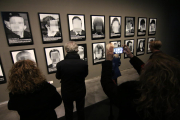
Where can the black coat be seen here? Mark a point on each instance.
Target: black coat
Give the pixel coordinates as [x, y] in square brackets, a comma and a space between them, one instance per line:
[38, 105]
[72, 72]
[123, 95]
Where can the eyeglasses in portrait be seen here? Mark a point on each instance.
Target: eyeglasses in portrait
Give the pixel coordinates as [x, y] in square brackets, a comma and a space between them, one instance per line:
[17, 28]
[53, 55]
[148, 44]
[50, 27]
[97, 27]
[82, 51]
[129, 26]
[2, 75]
[152, 26]
[130, 44]
[25, 54]
[114, 26]
[142, 23]
[140, 50]
[98, 50]
[77, 30]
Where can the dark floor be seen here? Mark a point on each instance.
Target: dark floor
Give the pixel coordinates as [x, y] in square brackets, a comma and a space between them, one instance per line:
[98, 111]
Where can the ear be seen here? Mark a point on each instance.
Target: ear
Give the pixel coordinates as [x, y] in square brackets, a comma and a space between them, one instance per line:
[25, 27]
[7, 24]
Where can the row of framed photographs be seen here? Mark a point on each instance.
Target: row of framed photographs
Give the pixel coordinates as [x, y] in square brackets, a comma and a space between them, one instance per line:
[18, 30]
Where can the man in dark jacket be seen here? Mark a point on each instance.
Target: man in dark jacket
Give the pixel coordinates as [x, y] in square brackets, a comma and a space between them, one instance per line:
[72, 72]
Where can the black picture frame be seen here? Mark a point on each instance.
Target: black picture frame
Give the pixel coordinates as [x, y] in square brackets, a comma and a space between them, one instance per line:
[82, 51]
[131, 46]
[152, 26]
[2, 74]
[129, 26]
[23, 54]
[53, 54]
[98, 52]
[140, 46]
[100, 21]
[17, 28]
[114, 27]
[50, 26]
[116, 44]
[142, 26]
[77, 27]
[149, 40]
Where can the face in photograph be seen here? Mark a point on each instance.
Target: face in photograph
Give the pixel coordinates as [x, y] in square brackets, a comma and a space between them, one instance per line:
[149, 47]
[81, 52]
[77, 24]
[98, 26]
[130, 45]
[99, 51]
[129, 25]
[153, 25]
[115, 25]
[142, 25]
[51, 25]
[55, 57]
[140, 46]
[24, 55]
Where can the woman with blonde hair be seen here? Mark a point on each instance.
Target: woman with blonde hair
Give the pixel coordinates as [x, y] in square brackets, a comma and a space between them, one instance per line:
[30, 94]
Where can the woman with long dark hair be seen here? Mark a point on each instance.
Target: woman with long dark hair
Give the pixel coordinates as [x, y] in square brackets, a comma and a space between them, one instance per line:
[30, 94]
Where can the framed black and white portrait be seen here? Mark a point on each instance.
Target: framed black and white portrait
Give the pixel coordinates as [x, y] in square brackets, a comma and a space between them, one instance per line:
[130, 44]
[17, 28]
[82, 51]
[50, 26]
[114, 26]
[25, 54]
[140, 50]
[116, 44]
[142, 23]
[77, 29]
[148, 43]
[53, 55]
[98, 51]
[129, 26]
[152, 26]
[2, 74]
[97, 27]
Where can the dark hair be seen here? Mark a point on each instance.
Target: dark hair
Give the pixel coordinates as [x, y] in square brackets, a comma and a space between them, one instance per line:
[98, 46]
[53, 50]
[98, 21]
[142, 22]
[21, 53]
[115, 19]
[25, 77]
[128, 43]
[152, 22]
[46, 21]
[140, 43]
[76, 17]
[160, 88]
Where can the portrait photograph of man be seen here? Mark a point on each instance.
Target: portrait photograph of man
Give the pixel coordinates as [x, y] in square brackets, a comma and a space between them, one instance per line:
[17, 28]
[77, 30]
[140, 46]
[152, 26]
[129, 26]
[148, 43]
[142, 26]
[130, 44]
[50, 27]
[98, 50]
[82, 51]
[53, 56]
[23, 55]
[97, 27]
[2, 76]
[115, 26]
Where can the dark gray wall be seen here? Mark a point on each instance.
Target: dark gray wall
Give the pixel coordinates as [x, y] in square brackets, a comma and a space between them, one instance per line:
[135, 8]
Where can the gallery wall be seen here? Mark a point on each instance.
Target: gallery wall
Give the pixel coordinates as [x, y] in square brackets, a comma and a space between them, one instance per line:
[138, 8]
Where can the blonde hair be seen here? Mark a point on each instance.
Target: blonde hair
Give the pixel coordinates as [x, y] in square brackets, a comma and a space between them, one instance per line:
[156, 44]
[71, 47]
[111, 45]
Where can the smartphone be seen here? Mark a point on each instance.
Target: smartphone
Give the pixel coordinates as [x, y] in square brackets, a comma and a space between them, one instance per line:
[118, 50]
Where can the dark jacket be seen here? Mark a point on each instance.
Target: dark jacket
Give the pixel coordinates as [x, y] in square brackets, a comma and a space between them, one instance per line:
[38, 105]
[115, 67]
[123, 95]
[72, 72]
